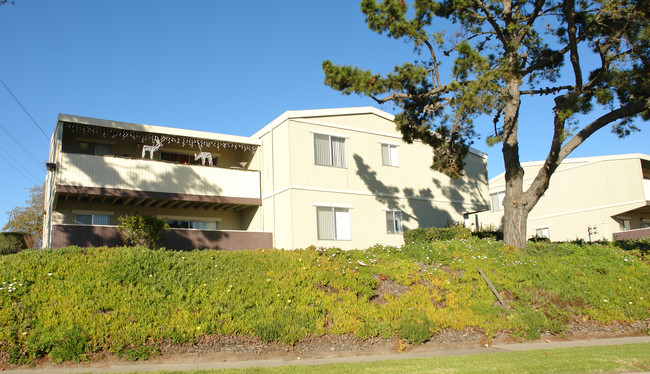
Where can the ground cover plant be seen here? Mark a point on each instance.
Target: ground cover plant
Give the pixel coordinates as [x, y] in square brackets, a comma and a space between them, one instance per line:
[68, 303]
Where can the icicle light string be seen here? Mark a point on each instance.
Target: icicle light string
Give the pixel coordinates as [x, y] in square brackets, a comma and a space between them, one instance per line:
[150, 138]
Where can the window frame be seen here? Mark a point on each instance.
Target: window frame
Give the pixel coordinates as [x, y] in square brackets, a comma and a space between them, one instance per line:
[391, 157]
[539, 232]
[394, 222]
[500, 195]
[335, 224]
[331, 150]
[94, 217]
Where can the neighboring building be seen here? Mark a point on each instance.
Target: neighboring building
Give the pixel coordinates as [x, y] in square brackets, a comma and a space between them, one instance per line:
[590, 198]
[334, 177]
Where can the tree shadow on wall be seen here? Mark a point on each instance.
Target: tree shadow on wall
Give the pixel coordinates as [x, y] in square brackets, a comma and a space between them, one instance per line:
[425, 214]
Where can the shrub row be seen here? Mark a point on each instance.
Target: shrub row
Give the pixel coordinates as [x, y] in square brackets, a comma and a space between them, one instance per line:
[12, 242]
[432, 234]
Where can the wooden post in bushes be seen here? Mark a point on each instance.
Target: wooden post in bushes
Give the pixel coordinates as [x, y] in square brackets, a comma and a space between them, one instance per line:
[494, 290]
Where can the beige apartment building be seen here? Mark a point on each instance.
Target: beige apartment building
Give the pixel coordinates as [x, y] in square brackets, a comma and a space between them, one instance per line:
[590, 198]
[333, 177]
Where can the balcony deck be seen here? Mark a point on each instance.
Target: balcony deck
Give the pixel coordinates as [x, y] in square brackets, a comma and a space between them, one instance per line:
[104, 175]
[632, 234]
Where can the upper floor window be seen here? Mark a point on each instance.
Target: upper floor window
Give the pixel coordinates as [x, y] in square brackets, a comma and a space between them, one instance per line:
[389, 154]
[497, 200]
[92, 219]
[95, 148]
[329, 150]
[394, 222]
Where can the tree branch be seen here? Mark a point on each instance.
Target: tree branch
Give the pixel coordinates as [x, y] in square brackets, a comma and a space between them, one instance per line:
[434, 61]
[493, 22]
[622, 112]
[569, 10]
[547, 90]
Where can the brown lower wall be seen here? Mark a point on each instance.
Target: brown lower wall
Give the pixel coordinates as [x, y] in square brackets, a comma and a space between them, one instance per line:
[632, 234]
[184, 240]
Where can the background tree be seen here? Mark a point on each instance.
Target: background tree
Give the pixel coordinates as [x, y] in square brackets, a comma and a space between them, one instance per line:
[28, 218]
[499, 51]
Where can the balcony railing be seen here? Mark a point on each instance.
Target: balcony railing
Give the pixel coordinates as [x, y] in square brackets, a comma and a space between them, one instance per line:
[150, 175]
[177, 239]
[632, 234]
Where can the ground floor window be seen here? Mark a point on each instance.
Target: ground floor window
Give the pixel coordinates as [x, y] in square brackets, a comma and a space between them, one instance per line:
[92, 219]
[542, 232]
[333, 223]
[623, 223]
[394, 222]
[196, 225]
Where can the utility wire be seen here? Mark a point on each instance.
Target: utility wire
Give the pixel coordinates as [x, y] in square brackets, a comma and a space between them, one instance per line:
[16, 162]
[20, 171]
[21, 105]
[21, 146]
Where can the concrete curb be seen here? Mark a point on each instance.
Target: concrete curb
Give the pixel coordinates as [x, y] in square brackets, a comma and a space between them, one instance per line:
[195, 364]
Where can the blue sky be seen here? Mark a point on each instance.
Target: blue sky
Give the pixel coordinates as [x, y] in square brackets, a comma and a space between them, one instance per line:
[228, 67]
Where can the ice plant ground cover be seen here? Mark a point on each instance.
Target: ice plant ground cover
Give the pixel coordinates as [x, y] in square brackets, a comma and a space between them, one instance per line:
[66, 303]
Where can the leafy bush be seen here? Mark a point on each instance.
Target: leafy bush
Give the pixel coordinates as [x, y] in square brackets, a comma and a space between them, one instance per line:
[143, 230]
[11, 242]
[72, 346]
[432, 234]
[415, 328]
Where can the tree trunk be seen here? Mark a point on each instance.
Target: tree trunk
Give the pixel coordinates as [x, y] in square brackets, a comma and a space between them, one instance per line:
[515, 221]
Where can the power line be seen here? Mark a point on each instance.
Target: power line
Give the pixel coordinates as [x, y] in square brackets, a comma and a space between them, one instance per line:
[18, 163]
[21, 146]
[18, 170]
[21, 105]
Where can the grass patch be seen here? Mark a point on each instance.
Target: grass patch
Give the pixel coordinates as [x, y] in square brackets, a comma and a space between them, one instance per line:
[124, 299]
[604, 359]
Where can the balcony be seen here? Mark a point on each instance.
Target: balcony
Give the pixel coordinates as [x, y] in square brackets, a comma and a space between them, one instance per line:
[103, 175]
[177, 239]
[632, 234]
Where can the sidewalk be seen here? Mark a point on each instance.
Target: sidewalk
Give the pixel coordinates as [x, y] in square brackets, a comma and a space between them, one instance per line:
[196, 364]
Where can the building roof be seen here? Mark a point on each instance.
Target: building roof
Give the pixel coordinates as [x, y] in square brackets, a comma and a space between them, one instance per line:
[159, 129]
[571, 163]
[334, 112]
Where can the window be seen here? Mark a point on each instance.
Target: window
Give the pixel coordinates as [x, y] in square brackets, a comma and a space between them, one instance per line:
[329, 150]
[542, 233]
[623, 223]
[497, 200]
[92, 219]
[95, 148]
[394, 222]
[333, 223]
[389, 154]
[196, 225]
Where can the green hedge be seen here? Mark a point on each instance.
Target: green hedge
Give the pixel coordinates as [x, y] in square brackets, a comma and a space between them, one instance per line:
[433, 234]
[12, 242]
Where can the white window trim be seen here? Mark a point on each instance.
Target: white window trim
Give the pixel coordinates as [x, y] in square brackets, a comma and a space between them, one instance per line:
[401, 225]
[333, 205]
[392, 163]
[547, 227]
[388, 143]
[334, 134]
[336, 234]
[97, 212]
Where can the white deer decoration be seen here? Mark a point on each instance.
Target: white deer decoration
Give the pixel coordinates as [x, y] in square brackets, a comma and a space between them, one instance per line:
[151, 148]
[203, 156]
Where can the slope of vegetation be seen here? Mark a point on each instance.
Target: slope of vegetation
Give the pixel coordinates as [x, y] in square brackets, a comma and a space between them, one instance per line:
[66, 303]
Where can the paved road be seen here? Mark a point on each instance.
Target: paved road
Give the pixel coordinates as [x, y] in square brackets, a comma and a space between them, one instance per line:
[196, 364]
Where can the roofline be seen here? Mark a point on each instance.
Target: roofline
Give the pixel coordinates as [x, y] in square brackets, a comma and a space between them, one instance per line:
[158, 129]
[290, 114]
[583, 160]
